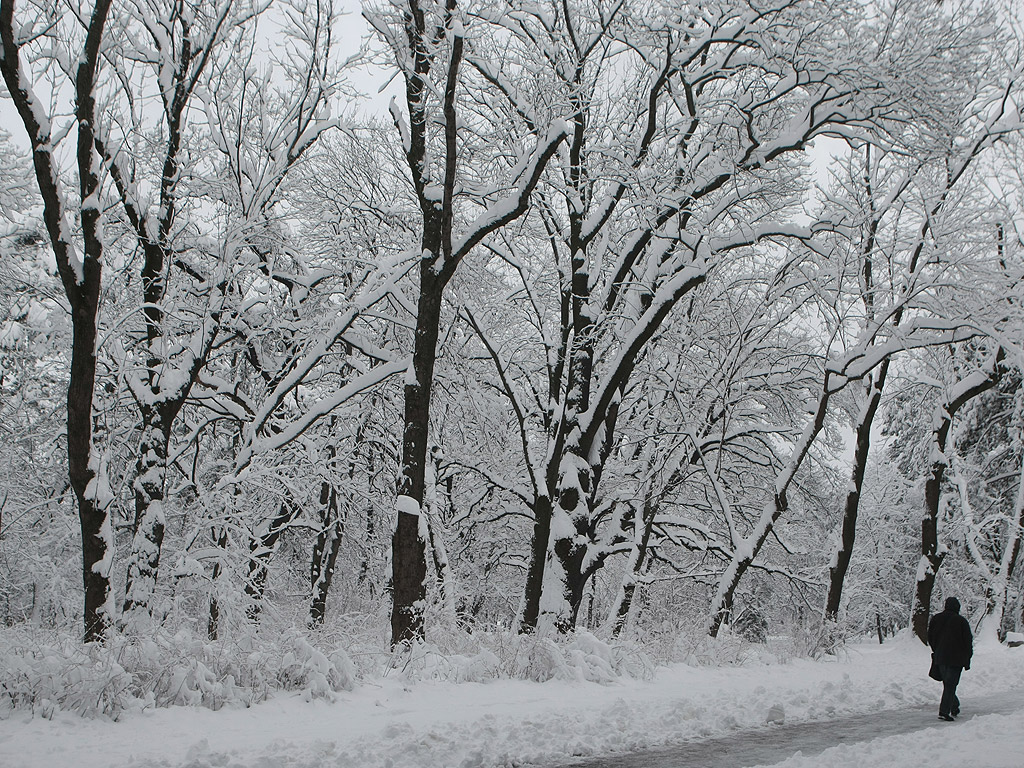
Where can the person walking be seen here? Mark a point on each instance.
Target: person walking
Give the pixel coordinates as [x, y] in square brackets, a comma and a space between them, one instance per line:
[949, 636]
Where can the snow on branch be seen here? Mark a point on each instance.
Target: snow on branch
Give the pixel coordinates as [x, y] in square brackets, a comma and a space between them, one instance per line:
[526, 176]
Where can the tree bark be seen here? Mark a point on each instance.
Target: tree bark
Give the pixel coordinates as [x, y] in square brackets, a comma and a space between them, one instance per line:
[862, 446]
[325, 552]
[542, 510]
[82, 282]
[931, 553]
[213, 620]
[149, 524]
[261, 549]
[409, 562]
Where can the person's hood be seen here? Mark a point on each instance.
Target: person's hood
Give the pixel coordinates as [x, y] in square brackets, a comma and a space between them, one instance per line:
[952, 604]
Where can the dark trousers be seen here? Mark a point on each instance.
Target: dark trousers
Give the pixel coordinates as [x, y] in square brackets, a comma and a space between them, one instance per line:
[950, 704]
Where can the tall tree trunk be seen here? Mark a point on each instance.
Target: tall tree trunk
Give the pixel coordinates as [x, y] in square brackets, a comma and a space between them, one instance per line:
[575, 475]
[408, 558]
[862, 437]
[931, 554]
[873, 390]
[94, 518]
[408, 548]
[542, 510]
[81, 278]
[423, 53]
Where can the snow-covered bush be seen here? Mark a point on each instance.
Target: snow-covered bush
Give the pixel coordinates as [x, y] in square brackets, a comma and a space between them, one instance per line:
[317, 675]
[580, 656]
[47, 673]
[425, 661]
[501, 653]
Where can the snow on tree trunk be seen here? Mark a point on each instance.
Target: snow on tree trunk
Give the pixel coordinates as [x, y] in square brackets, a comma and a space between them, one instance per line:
[261, 548]
[213, 626]
[148, 527]
[862, 444]
[439, 552]
[571, 519]
[932, 553]
[635, 565]
[325, 552]
[81, 278]
[408, 547]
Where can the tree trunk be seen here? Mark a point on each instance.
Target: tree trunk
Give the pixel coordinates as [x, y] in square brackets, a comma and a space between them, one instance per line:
[862, 446]
[575, 474]
[81, 278]
[438, 551]
[148, 527]
[571, 553]
[97, 535]
[566, 570]
[637, 562]
[931, 554]
[364, 565]
[325, 553]
[261, 548]
[542, 510]
[213, 623]
[408, 558]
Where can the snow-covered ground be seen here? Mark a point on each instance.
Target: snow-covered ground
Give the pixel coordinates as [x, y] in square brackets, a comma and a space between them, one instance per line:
[393, 721]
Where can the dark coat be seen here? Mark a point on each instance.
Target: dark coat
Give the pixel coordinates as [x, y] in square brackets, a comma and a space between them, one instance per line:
[949, 636]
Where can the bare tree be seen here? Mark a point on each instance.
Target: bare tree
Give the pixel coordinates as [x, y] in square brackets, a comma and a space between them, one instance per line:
[694, 160]
[79, 262]
[884, 195]
[429, 43]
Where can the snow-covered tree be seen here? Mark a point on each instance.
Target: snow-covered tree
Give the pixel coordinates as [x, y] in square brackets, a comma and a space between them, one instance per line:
[38, 46]
[460, 204]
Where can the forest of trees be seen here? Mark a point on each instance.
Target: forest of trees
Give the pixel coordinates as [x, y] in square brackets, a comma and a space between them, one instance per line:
[636, 316]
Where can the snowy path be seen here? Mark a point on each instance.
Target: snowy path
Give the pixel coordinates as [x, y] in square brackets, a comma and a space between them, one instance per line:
[768, 746]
